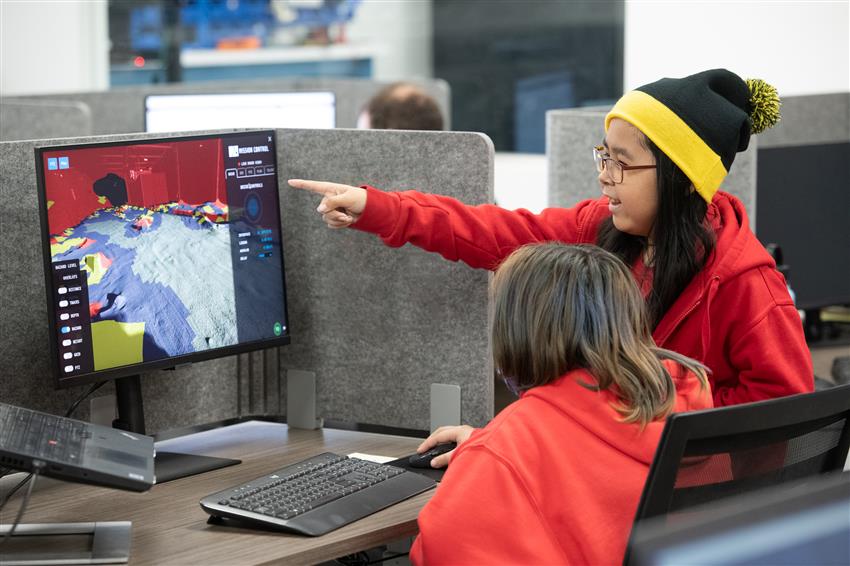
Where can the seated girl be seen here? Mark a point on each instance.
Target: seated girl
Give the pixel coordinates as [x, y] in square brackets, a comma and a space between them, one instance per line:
[556, 477]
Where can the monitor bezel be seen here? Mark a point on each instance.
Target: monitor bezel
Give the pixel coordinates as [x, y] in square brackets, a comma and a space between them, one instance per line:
[231, 93]
[166, 363]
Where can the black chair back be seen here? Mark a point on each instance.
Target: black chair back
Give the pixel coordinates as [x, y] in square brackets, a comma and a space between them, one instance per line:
[709, 455]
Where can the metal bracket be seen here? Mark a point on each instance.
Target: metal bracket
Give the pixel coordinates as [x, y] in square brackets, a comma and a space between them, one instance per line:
[110, 543]
[301, 400]
[445, 405]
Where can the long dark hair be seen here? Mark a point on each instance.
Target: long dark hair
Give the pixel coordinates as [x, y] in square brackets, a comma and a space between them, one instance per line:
[682, 239]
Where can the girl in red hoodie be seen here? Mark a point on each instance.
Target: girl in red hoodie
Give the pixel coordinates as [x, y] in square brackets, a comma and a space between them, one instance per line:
[556, 477]
[712, 291]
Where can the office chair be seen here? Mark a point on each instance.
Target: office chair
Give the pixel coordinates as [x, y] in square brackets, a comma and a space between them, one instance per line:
[709, 455]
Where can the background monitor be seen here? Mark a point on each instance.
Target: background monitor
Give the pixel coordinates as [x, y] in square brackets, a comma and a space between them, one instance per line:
[803, 205]
[159, 252]
[802, 523]
[187, 112]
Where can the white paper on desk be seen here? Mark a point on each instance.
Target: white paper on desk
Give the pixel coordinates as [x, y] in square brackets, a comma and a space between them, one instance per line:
[372, 457]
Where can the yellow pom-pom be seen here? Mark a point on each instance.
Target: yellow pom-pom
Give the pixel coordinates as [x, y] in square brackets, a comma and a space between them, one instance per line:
[764, 105]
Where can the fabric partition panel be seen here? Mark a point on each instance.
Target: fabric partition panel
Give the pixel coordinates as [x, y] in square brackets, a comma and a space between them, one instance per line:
[43, 118]
[122, 110]
[810, 119]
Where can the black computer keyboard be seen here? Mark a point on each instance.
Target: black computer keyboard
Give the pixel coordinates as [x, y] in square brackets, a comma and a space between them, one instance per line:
[317, 495]
[23, 431]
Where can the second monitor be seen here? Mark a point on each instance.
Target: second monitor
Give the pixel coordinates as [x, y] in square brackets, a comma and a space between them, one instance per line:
[188, 112]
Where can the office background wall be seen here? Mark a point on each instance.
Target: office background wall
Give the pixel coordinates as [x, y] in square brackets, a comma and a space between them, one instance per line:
[402, 35]
[48, 47]
[800, 47]
[509, 61]
[51, 47]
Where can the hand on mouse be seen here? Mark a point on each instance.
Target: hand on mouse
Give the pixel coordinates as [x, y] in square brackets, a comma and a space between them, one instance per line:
[456, 434]
[341, 205]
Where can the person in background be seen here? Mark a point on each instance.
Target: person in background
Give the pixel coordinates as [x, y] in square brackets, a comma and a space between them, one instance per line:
[712, 291]
[401, 106]
[565, 464]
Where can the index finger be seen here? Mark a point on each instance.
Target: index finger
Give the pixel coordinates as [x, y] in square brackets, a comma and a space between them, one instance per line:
[440, 436]
[323, 188]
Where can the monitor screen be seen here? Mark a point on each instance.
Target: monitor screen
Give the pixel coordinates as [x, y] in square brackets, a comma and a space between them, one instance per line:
[160, 252]
[805, 522]
[803, 204]
[187, 112]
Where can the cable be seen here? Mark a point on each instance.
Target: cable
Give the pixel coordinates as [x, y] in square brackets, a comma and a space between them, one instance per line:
[385, 558]
[92, 389]
[23, 507]
[14, 489]
[362, 558]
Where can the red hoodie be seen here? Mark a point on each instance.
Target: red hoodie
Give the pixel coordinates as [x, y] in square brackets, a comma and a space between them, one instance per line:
[555, 478]
[735, 316]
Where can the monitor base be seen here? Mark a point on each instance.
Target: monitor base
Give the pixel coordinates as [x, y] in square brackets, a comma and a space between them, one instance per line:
[103, 543]
[173, 465]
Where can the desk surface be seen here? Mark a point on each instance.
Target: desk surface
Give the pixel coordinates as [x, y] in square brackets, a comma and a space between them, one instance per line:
[169, 526]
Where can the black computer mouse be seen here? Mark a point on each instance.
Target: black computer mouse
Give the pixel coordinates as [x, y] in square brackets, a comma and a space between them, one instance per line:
[424, 460]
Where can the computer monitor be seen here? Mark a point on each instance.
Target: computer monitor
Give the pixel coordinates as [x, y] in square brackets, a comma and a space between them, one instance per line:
[802, 523]
[803, 205]
[157, 253]
[187, 112]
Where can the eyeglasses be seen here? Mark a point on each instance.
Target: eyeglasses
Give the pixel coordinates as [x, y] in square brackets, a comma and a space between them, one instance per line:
[614, 168]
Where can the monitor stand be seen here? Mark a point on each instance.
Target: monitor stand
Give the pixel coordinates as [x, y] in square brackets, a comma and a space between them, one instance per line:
[91, 543]
[167, 465]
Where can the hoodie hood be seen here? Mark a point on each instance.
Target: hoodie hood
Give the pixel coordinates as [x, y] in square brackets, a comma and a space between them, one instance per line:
[736, 252]
[595, 411]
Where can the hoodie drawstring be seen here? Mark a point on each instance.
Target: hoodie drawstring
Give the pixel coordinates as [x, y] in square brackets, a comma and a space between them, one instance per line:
[705, 335]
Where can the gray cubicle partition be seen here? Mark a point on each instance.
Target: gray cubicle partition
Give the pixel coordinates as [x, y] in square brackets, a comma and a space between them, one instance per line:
[376, 325]
[810, 119]
[121, 110]
[39, 119]
[570, 135]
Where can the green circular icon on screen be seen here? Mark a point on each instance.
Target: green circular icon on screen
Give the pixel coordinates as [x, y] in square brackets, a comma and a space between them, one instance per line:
[277, 329]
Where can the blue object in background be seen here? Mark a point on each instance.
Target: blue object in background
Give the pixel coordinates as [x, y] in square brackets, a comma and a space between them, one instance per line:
[533, 97]
[64, 163]
[52, 164]
[146, 28]
[206, 22]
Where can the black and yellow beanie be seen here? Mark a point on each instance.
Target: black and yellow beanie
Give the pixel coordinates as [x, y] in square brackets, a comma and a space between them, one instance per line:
[701, 121]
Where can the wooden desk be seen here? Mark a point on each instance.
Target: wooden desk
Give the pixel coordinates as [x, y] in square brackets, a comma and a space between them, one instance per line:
[169, 526]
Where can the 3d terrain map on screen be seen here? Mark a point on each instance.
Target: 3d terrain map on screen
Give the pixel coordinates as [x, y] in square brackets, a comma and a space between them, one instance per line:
[149, 226]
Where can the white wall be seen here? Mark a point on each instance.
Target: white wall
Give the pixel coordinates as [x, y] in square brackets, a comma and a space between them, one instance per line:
[49, 46]
[400, 32]
[800, 47]
[521, 180]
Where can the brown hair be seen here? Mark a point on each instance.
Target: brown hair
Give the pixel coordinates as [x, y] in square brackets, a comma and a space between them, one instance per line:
[558, 308]
[403, 106]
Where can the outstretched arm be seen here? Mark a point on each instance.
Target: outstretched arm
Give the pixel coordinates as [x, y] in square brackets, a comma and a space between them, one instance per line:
[481, 236]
